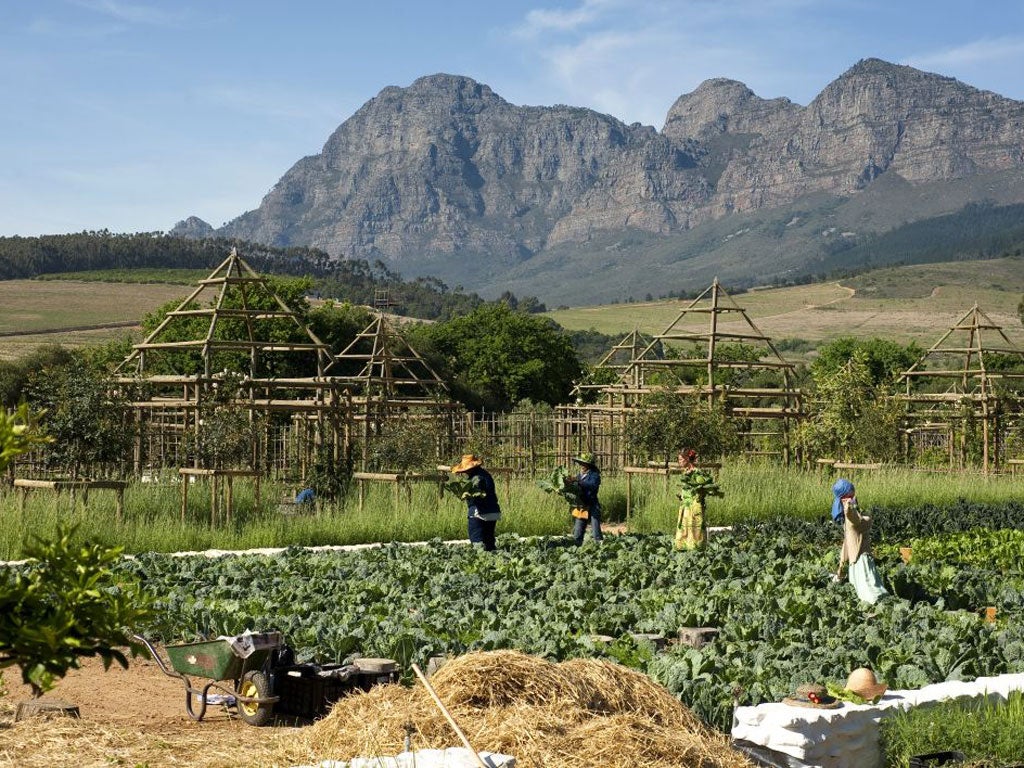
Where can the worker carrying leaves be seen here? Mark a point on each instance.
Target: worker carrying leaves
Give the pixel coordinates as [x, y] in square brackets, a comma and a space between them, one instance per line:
[476, 488]
[587, 484]
[696, 486]
[580, 491]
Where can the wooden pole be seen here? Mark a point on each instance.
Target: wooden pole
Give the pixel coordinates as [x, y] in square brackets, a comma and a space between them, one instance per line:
[184, 495]
[447, 716]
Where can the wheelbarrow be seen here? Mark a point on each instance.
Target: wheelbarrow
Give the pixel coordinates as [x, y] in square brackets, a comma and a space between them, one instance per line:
[243, 661]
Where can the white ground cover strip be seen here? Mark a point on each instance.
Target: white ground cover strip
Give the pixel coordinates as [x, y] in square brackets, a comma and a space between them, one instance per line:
[848, 737]
[453, 757]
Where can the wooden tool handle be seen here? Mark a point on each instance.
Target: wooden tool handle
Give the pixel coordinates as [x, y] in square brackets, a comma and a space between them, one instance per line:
[448, 716]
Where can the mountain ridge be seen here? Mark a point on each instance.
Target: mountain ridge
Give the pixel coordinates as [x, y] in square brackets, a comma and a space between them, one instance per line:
[445, 177]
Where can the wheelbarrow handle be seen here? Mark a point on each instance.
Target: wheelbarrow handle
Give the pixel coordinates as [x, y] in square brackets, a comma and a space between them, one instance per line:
[156, 657]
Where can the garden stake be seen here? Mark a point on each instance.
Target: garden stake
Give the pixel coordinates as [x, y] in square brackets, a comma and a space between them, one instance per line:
[448, 716]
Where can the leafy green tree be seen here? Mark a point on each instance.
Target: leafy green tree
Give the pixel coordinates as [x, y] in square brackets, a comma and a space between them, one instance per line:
[338, 323]
[885, 359]
[84, 414]
[500, 357]
[666, 422]
[852, 417]
[15, 374]
[65, 604]
[19, 433]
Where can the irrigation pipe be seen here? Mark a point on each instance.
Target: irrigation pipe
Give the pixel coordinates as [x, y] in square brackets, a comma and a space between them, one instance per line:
[448, 716]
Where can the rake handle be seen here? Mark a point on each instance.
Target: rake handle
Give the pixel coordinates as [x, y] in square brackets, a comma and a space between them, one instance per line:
[448, 716]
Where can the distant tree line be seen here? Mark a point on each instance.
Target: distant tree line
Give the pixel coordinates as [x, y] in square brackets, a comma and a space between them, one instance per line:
[977, 231]
[352, 280]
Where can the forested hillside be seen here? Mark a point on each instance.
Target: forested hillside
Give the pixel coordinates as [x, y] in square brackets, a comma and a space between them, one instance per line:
[353, 280]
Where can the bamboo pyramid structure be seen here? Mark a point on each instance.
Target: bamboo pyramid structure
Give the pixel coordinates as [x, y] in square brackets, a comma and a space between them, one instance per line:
[232, 330]
[618, 360]
[964, 345]
[233, 276]
[708, 369]
[968, 383]
[379, 364]
[702, 372]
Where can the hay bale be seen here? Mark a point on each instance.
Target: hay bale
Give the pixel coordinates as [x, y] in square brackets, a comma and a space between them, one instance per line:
[500, 678]
[577, 714]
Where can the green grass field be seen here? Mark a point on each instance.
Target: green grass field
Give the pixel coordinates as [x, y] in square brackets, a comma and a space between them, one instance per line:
[913, 303]
[36, 312]
[752, 491]
[168, 276]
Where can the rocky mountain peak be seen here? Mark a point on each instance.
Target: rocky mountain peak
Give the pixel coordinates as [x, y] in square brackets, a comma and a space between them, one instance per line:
[193, 227]
[445, 177]
[721, 106]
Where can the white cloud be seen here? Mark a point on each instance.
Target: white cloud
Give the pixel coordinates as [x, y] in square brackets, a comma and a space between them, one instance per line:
[132, 13]
[541, 20]
[989, 51]
[634, 58]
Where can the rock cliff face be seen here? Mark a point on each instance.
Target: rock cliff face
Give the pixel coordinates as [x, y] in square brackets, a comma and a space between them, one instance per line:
[446, 169]
[193, 227]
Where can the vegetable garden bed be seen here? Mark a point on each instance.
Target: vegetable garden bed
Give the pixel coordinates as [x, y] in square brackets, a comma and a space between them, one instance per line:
[766, 586]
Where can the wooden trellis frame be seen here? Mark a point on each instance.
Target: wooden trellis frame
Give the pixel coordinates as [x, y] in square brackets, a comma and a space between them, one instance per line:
[971, 391]
[172, 401]
[389, 379]
[619, 359]
[767, 412]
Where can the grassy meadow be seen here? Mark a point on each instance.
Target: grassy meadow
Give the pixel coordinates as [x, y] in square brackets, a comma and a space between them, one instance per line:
[36, 312]
[912, 303]
[909, 303]
[752, 491]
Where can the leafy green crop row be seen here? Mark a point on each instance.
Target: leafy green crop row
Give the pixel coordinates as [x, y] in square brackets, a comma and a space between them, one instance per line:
[767, 588]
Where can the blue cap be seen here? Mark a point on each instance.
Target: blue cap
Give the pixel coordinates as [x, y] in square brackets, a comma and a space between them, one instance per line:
[841, 487]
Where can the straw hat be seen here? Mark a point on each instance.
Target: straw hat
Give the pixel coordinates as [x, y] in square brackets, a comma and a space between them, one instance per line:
[813, 696]
[467, 463]
[863, 682]
[586, 458]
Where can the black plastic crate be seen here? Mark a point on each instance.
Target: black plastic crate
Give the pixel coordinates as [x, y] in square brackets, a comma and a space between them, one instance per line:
[309, 690]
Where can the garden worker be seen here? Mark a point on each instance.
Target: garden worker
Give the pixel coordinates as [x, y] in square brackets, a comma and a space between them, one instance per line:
[697, 485]
[305, 496]
[481, 503]
[857, 546]
[587, 484]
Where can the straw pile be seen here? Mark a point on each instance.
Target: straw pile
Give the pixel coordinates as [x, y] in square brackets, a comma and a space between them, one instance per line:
[55, 740]
[579, 714]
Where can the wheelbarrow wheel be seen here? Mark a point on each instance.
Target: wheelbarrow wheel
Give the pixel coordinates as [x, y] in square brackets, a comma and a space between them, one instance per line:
[254, 685]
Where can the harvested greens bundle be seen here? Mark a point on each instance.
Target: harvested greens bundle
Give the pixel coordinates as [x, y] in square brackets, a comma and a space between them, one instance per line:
[561, 482]
[698, 484]
[463, 488]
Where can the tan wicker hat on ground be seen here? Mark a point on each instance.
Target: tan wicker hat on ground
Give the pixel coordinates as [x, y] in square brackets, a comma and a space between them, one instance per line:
[863, 682]
[813, 696]
[467, 462]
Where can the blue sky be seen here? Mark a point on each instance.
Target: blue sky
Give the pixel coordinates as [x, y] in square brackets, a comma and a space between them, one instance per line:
[132, 114]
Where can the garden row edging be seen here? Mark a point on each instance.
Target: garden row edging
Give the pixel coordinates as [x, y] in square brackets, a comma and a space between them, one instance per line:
[849, 737]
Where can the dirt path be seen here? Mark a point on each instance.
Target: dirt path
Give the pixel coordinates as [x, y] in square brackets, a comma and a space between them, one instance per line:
[135, 717]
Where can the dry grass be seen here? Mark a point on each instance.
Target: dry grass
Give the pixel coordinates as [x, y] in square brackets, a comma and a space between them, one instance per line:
[581, 713]
[864, 307]
[53, 740]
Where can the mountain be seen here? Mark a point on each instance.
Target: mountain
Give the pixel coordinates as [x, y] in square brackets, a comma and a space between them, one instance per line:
[192, 227]
[445, 177]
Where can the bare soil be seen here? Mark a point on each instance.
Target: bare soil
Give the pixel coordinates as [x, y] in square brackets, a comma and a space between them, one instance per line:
[135, 717]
